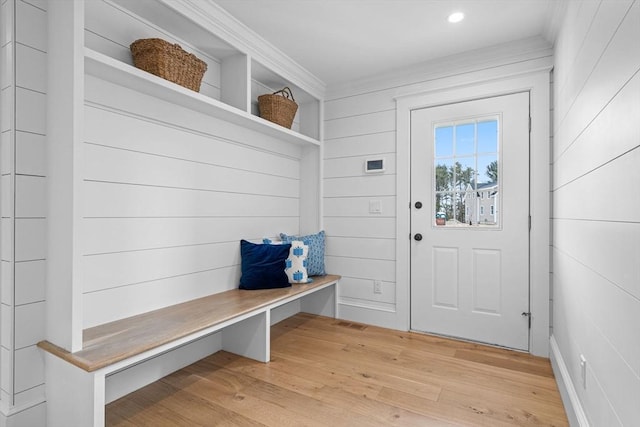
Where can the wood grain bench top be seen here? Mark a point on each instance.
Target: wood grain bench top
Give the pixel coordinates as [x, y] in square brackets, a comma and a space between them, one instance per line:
[113, 342]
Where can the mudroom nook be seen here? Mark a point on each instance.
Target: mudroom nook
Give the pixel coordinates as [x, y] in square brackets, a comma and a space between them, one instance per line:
[318, 212]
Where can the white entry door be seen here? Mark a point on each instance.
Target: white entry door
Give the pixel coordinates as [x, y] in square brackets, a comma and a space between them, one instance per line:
[470, 220]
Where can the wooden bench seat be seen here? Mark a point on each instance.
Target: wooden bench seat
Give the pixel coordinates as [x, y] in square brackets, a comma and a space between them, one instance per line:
[242, 318]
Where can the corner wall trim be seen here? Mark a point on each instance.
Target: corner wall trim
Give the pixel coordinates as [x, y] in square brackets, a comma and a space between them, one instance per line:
[572, 405]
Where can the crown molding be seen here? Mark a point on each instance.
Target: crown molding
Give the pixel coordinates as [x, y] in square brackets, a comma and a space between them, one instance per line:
[491, 57]
[208, 14]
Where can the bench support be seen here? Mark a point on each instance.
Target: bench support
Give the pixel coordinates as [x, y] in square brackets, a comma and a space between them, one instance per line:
[73, 394]
[249, 338]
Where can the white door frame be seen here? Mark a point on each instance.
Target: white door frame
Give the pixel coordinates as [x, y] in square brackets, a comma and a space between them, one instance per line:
[538, 83]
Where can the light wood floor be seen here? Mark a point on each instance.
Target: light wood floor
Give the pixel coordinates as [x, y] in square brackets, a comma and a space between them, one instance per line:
[327, 372]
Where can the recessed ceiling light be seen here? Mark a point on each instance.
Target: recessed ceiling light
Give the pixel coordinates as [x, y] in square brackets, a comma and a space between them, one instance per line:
[456, 17]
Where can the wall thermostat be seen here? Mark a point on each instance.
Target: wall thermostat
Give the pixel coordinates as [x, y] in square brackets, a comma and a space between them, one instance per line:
[374, 166]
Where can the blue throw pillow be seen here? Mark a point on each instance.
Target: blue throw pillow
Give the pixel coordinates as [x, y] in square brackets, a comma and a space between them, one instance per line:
[263, 266]
[315, 259]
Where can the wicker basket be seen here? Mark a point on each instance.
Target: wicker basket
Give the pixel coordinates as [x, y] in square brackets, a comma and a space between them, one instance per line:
[168, 61]
[278, 107]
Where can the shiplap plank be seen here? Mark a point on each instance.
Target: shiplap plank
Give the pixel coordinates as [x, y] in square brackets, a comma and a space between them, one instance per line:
[29, 368]
[6, 283]
[108, 305]
[362, 289]
[378, 143]
[363, 186]
[36, 415]
[30, 197]
[356, 166]
[6, 243]
[596, 146]
[6, 75]
[29, 324]
[30, 154]
[30, 111]
[384, 228]
[362, 268]
[31, 68]
[7, 196]
[6, 27]
[6, 372]
[142, 168]
[6, 162]
[35, 33]
[105, 128]
[120, 200]
[124, 268]
[366, 103]
[605, 194]
[104, 235]
[382, 121]
[7, 112]
[359, 206]
[30, 279]
[617, 254]
[6, 327]
[383, 249]
[30, 239]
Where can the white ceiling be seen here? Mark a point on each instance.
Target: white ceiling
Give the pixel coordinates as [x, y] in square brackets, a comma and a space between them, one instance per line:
[343, 40]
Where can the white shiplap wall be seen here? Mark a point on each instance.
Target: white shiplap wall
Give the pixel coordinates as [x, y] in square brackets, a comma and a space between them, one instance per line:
[360, 124]
[596, 216]
[169, 192]
[23, 86]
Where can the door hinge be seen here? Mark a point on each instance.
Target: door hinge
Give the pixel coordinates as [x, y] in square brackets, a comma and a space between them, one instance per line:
[527, 314]
[529, 124]
[529, 222]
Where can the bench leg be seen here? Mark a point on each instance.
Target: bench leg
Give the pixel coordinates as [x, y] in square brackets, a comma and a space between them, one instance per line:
[75, 397]
[249, 338]
[322, 302]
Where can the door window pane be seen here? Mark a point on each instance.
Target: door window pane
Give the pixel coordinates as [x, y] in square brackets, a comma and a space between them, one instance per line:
[444, 141]
[466, 181]
[465, 139]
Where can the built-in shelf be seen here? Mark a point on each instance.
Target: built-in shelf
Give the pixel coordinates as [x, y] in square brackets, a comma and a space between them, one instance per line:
[115, 71]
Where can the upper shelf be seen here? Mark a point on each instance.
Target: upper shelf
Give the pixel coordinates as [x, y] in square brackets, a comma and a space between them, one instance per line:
[115, 71]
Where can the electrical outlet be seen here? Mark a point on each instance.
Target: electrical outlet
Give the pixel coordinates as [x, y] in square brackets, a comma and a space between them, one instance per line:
[583, 371]
[377, 287]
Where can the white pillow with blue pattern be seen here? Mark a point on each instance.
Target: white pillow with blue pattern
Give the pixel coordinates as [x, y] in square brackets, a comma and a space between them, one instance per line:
[315, 259]
[296, 264]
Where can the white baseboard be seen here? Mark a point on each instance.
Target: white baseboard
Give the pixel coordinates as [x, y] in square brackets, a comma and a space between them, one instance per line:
[33, 415]
[572, 405]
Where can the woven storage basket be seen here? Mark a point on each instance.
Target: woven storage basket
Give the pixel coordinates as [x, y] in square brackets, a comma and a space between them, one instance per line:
[168, 61]
[278, 107]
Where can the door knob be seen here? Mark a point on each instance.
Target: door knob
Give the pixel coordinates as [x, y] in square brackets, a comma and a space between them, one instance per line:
[418, 237]
[418, 205]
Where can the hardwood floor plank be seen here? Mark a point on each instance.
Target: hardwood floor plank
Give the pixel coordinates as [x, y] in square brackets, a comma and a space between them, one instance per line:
[328, 372]
[498, 362]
